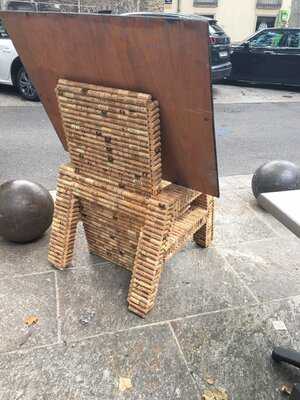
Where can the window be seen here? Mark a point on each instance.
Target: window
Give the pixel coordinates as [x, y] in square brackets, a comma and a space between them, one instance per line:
[3, 33]
[265, 22]
[271, 4]
[211, 16]
[205, 3]
[21, 6]
[267, 39]
[293, 40]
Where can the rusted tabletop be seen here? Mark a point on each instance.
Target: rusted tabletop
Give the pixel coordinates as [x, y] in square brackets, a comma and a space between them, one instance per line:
[166, 58]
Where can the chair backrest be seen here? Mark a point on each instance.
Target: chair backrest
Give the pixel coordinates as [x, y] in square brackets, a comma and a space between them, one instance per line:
[113, 135]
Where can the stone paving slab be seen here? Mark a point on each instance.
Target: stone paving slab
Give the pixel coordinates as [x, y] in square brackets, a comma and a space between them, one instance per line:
[233, 348]
[20, 298]
[21, 259]
[92, 369]
[236, 222]
[278, 228]
[214, 315]
[192, 282]
[270, 268]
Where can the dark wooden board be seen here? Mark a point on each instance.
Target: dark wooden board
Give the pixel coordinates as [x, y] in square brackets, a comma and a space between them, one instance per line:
[166, 58]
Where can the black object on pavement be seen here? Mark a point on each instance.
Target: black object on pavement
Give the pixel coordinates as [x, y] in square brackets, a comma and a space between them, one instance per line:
[280, 354]
[276, 176]
[26, 211]
[295, 395]
[292, 357]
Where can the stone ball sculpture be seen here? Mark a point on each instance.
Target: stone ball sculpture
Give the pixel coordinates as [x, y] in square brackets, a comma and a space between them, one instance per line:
[26, 211]
[276, 176]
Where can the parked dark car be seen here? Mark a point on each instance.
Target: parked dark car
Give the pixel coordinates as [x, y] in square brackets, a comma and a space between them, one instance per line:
[271, 56]
[219, 42]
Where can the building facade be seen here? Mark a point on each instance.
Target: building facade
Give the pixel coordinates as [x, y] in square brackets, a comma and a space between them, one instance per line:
[97, 6]
[119, 6]
[295, 14]
[239, 18]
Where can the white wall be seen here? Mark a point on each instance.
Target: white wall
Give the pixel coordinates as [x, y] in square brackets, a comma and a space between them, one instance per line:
[237, 17]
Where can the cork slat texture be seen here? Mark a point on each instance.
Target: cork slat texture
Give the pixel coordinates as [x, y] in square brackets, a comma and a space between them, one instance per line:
[114, 186]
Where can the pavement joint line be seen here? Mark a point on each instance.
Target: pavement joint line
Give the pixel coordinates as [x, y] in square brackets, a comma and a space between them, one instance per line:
[58, 318]
[80, 268]
[183, 357]
[157, 323]
[29, 349]
[165, 322]
[238, 276]
[25, 275]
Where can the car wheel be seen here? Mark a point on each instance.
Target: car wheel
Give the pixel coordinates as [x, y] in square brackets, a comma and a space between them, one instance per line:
[25, 86]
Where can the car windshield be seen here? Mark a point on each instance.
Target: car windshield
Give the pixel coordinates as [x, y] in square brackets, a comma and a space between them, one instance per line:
[3, 33]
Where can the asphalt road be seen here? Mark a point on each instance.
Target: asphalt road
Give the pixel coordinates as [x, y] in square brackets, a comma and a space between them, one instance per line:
[251, 134]
[253, 125]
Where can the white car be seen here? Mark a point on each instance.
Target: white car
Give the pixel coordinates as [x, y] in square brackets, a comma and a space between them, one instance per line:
[12, 71]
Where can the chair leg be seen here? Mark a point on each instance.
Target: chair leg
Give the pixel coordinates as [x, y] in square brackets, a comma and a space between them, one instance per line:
[65, 220]
[204, 236]
[149, 258]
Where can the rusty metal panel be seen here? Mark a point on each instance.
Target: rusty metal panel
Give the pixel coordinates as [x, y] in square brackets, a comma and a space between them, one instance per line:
[166, 58]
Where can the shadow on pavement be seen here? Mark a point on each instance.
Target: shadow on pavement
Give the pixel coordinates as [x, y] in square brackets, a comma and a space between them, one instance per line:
[10, 90]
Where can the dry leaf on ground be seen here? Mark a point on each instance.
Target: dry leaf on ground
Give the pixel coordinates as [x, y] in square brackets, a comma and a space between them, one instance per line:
[210, 380]
[215, 394]
[286, 388]
[31, 320]
[124, 384]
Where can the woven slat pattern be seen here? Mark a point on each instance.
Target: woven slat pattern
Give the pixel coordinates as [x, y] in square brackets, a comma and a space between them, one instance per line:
[113, 185]
[65, 219]
[112, 134]
[204, 236]
[149, 257]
